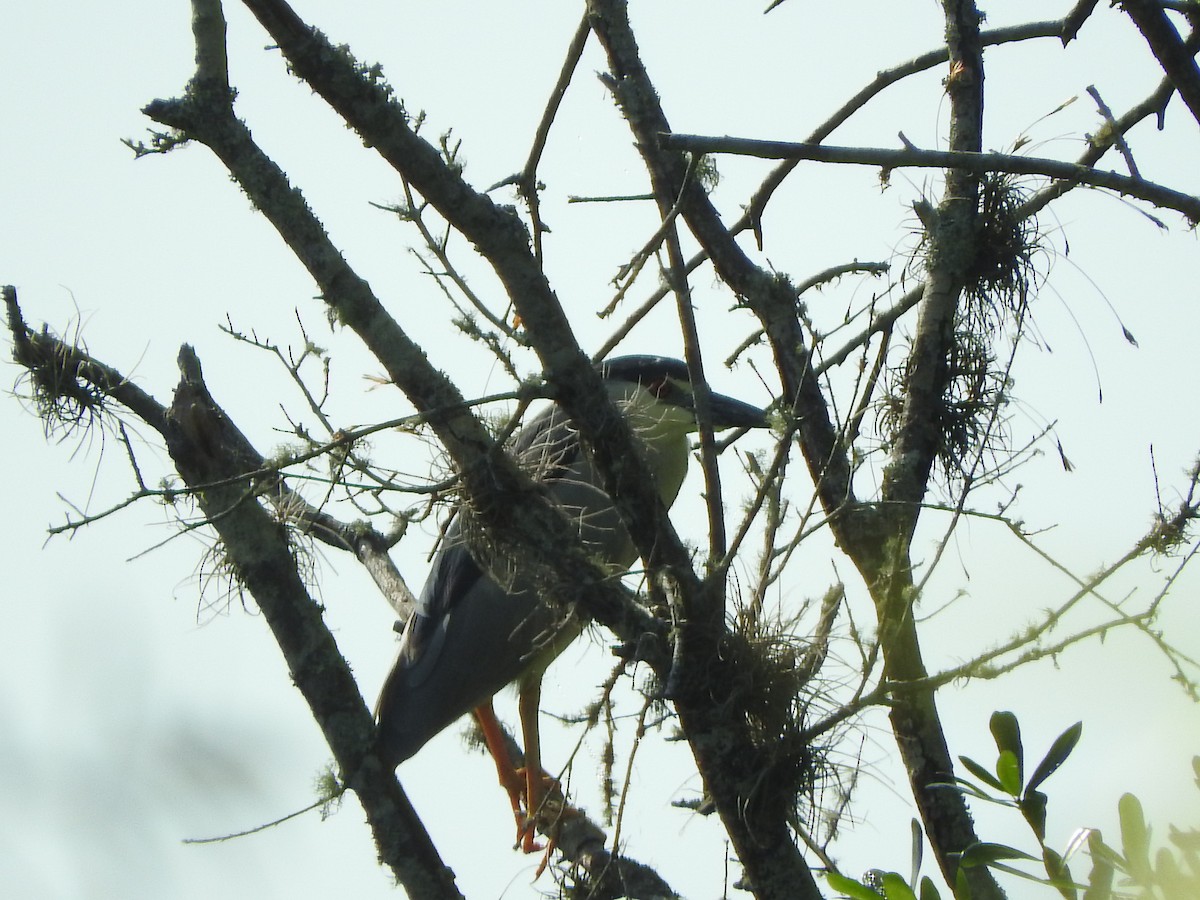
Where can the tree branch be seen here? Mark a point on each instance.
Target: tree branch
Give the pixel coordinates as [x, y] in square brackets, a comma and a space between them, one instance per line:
[520, 520]
[216, 461]
[918, 437]
[724, 755]
[526, 180]
[1168, 48]
[367, 105]
[974, 162]
[208, 449]
[882, 80]
[1074, 20]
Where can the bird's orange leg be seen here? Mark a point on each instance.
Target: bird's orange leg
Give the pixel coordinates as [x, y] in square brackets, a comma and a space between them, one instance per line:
[533, 795]
[543, 796]
[538, 785]
[511, 779]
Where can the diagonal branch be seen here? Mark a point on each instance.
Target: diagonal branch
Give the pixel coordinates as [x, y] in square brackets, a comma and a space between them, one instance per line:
[225, 473]
[1074, 20]
[519, 517]
[208, 448]
[214, 459]
[520, 521]
[501, 495]
[771, 297]
[758, 830]
[367, 105]
[527, 181]
[1168, 48]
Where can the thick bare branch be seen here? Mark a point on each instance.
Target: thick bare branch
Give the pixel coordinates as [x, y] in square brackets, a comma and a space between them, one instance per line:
[759, 830]
[503, 497]
[1168, 48]
[208, 450]
[218, 466]
[1079, 14]
[952, 248]
[771, 298]
[497, 233]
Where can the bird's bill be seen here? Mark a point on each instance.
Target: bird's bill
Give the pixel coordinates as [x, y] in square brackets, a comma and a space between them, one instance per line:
[730, 413]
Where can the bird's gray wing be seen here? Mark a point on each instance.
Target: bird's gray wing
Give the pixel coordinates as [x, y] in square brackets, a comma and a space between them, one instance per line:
[453, 574]
[548, 447]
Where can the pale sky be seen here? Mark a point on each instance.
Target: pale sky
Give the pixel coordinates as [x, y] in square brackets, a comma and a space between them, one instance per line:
[138, 713]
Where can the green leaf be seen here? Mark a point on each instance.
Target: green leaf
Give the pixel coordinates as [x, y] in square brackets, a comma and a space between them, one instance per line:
[1166, 872]
[1007, 732]
[918, 849]
[980, 772]
[1100, 879]
[1187, 841]
[851, 888]
[984, 853]
[1102, 852]
[896, 888]
[1008, 770]
[929, 890]
[1135, 838]
[1060, 874]
[1056, 755]
[1033, 808]
[962, 887]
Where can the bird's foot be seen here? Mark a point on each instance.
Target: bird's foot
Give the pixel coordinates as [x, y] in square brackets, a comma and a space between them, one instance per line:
[546, 807]
[540, 796]
[547, 818]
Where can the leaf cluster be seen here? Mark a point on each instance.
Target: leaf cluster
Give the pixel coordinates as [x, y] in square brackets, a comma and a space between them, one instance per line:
[1133, 872]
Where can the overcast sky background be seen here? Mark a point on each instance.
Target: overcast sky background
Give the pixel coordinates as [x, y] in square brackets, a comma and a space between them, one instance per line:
[137, 712]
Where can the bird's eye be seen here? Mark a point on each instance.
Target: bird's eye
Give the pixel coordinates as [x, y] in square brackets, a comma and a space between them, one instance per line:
[659, 387]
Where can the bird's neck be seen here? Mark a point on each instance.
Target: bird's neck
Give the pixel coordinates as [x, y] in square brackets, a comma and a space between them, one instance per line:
[662, 432]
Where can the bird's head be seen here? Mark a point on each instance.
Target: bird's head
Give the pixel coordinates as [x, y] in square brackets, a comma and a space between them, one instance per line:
[658, 389]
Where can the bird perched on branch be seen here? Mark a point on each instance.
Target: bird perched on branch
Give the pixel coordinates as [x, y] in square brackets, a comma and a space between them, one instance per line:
[474, 631]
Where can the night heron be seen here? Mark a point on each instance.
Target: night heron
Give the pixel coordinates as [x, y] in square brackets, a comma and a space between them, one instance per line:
[470, 636]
